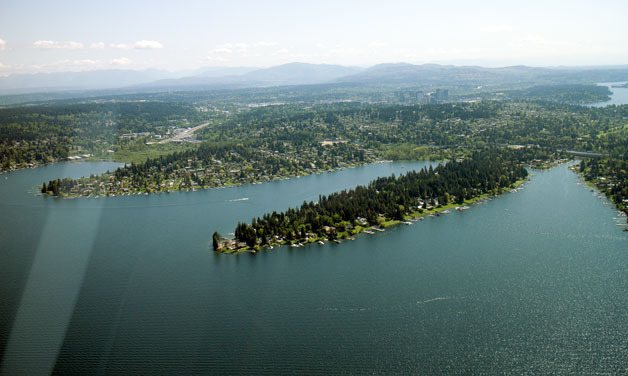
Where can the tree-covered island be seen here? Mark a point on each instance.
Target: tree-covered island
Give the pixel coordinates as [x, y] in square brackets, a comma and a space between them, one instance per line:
[383, 202]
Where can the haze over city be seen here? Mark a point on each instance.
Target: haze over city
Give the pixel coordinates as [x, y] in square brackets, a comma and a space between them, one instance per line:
[39, 36]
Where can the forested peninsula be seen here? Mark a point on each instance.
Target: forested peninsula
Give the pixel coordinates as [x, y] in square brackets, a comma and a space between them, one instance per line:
[383, 202]
[273, 142]
[259, 144]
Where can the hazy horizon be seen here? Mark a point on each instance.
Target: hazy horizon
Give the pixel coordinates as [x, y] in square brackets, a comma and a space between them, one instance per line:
[196, 70]
[38, 36]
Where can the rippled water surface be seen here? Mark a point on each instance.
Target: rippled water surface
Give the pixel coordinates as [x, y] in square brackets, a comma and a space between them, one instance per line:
[534, 281]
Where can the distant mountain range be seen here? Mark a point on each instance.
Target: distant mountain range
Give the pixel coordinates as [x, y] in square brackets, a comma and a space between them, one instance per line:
[434, 74]
[87, 80]
[303, 74]
[286, 74]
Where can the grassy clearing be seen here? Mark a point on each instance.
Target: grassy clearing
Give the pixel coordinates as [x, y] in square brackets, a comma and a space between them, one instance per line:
[402, 152]
[140, 152]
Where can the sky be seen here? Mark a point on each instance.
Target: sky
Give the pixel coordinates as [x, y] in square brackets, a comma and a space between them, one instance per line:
[61, 35]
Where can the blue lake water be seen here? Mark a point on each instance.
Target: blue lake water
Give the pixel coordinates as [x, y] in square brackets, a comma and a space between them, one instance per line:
[534, 281]
[619, 94]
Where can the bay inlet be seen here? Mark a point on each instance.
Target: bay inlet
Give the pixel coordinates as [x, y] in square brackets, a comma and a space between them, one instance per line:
[532, 281]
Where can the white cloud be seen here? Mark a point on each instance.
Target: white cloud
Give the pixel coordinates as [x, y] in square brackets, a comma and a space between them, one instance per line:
[77, 65]
[265, 44]
[120, 46]
[2, 44]
[243, 48]
[121, 61]
[139, 45]
[224, 46]
[71, 45]
[51, 44]
[147, 45]
[222, 50]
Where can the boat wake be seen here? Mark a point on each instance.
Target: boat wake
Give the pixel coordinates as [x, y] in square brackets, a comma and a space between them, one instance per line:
[434, 299]
[346, 309]
[239, 199]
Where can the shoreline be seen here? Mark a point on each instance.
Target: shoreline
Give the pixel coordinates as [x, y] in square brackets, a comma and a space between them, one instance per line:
[593, 186]
[208, 187]
[44, 164]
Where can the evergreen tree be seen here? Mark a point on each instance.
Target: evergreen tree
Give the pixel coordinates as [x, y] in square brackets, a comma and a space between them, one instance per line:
[216, 240]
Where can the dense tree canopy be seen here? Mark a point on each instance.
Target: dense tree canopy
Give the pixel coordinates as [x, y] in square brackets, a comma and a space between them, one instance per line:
[389, 197]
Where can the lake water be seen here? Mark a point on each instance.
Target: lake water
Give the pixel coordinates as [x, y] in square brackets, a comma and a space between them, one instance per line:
[534, 281]
[619, 96]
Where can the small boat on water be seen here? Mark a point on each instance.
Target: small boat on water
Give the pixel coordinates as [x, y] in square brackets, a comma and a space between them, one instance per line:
[321, 242]
[369, 232]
